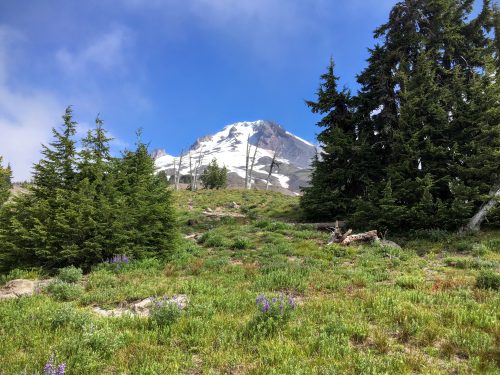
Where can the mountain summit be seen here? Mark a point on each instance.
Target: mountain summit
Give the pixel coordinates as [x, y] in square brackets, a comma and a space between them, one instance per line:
[228, 147]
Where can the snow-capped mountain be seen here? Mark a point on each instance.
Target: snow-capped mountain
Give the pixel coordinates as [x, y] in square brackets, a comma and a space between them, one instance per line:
[228, 147]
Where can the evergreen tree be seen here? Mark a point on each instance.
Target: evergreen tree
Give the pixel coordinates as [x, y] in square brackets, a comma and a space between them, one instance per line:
[426, 121]
[146, 225]
[334, 182]
[214, 177]
[5, 182]
[85, 207]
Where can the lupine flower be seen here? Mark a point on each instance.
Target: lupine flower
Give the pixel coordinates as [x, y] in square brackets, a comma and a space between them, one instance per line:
[117, 259]
[49, 368]
[61, 368]
[265, 307]
[260, 299]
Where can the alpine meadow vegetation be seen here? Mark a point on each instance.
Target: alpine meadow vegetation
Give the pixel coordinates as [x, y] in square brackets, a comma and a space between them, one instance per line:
[285, 302]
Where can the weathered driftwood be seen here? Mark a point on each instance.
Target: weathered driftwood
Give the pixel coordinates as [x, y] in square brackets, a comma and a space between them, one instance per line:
[475, 222]
[367, 236]
[337, 236]
[347, 237]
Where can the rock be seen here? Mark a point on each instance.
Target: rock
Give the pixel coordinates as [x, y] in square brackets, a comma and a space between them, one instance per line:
[143, 307]
[18, 288]
[110, 313]
[22, 287]
[181, 300]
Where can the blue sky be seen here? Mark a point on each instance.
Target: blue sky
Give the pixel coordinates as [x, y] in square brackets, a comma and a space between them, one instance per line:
[179, 69]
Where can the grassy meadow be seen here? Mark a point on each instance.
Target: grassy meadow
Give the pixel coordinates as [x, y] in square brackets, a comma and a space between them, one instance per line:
[431, 307]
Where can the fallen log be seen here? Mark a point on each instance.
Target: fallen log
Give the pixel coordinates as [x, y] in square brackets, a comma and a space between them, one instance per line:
[367, 236]
[223, 214]
[475, 222]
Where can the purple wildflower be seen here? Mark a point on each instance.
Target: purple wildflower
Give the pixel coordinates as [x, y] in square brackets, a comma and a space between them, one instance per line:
[118, 259]
[61, 368]
[291, 302]
[49, 368]
[260, 299]
[265, 307]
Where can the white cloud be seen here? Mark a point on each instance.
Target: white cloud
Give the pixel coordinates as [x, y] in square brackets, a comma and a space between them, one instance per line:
[105, 52]
[26, 116]
[25, 122]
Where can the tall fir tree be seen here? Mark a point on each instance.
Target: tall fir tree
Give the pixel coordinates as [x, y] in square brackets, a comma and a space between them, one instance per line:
[5, 182]
[146, 224]
[334, 181]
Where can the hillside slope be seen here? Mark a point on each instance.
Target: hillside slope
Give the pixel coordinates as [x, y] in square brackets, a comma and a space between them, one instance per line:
[429, 307]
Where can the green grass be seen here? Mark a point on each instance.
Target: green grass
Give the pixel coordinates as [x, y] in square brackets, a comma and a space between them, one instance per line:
[431, 307]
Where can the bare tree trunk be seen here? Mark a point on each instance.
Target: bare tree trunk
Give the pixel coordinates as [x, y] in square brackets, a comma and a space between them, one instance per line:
[273, 163]
[197, 169]
[175, 175]
[250, 171]
[247, 185]
[178, 176]
[190, 171]
[476, 221]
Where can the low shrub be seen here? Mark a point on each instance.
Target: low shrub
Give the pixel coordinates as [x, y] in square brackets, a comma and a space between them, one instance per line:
[212, 239]
[272, 314]
[164, 313]
[68, 315]
[479, 249]
[63, 291]
[102, 339]
[493, 245]
[241, 244]
[70, 274]
[488, 280]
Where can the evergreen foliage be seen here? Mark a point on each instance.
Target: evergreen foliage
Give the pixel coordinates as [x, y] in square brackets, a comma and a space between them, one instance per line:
[5, 182]
[85, 206]
[417, 147]
[214, 177]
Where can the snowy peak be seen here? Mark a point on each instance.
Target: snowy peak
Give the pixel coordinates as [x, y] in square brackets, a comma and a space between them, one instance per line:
[229, 146]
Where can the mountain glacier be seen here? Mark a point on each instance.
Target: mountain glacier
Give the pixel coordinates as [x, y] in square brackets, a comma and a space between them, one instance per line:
[228, 147]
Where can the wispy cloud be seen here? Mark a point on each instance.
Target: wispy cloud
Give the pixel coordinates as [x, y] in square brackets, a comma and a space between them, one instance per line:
[105, 52]
[26, 116]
